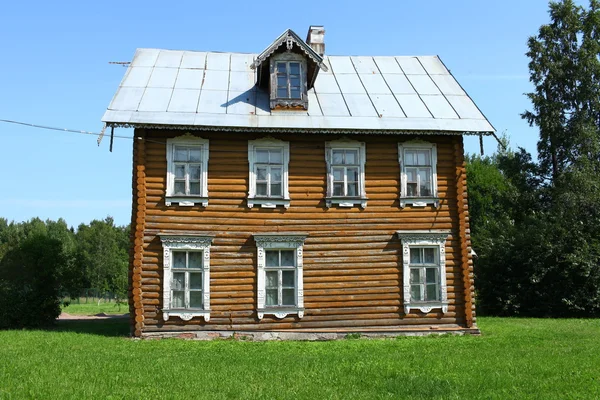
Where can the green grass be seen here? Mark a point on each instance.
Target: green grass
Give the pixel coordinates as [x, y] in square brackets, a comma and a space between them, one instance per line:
[92, 307]
[515, 358]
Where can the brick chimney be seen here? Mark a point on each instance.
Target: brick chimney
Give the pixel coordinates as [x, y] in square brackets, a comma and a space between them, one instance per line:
[316, 39]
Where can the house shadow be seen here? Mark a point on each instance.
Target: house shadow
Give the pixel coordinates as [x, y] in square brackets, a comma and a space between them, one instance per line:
[254, 97]
[109, 327]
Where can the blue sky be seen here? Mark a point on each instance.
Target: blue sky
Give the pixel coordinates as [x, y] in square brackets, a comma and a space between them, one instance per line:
[54, 71]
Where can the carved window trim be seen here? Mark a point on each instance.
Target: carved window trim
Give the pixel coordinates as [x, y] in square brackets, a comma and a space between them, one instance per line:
[418, 201]
[190, 243]
[346, 201]
[276, 101]
[420, 239]
[279, 241]
[187, 200]
[268, 202]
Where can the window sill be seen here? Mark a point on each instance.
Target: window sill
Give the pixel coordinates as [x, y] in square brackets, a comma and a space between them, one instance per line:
[186, 201]
[425, 307]
[419, 201]
[268, 203]
[186, 315]
[346, 201]
[280, 312]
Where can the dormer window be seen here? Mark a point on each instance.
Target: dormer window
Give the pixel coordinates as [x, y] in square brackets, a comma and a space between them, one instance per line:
[288, 81]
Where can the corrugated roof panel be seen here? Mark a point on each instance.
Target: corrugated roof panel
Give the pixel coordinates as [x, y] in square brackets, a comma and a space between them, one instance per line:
[241, 103]
[193, 60]
[217, 61]
[189, 79]
[332, 104]
[137, 77]
[145, 57]
[349, 83]
[439, 106]
[184, 100]
[399, 84]
[127, 99]
[314, 108]
[326, 83]
[215, 80]
[155, 99]
[212, 102]
[410, 66]
[387, 65]
[169, 59]
[465, 107]
[341, 65]
[262, 103]
[360, 105]
[387, 106]
[364, 65]
[423, 84]
[241, 62]
[433, 65]
[374, 84]
[412, 106]
[163, 78]
[240, 81]
[448, 85]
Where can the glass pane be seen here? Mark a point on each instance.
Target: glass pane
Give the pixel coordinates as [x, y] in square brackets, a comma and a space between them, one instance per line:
[179, 187]
[195, 154]
[195, 172]
[338, 174]
[281, 67]
[261, 174]
[287, 279]
[351, 157]
[282, 93]
[409, 157]
[178, 281]
[294, 68]
[194, 188]
[338, 156]
[282, 81]
[181, 154]
[432, 292]
[271, 299]
[272, 257]
[429, 255]
[295, 81]
[411, 189]
[179, 259]
[262, 156]
[288, 297]
[338, 189]
[423, 157]
[415, 275]
[276, 189]
[195, 259]
[276, 157]
[295, 93]
[415, 256]
[275, 174]
[352, 189]
[430, 275]
[415, 293]
[179, 171]
[177, 299]
[287, 258]
[196, 280]
[261, 189]
[271, 279]
[424, 175]
[411, 174]
[196, 299]
[352, 174]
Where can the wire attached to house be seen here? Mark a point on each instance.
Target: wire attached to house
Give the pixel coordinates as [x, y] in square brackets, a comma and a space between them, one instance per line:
[52, 128]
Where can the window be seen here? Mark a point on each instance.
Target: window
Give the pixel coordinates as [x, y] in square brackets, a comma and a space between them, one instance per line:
[268, 159]
[345, 176]
[418, 174]
[187, 164]
[424, 270]
[279, 274]
[186, 278]
[288, 81]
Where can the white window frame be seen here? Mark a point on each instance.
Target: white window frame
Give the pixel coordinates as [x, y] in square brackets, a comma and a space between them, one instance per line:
[421, 239]
[268, 202]
[188, 141]
[200, 243]
[418, 201]
[346, 201]
[279, 241]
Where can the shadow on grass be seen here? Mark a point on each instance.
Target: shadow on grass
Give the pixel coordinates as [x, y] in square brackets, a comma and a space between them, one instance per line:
[111, 327]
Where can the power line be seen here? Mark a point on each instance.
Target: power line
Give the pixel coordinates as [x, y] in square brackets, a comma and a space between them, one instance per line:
[52, 128]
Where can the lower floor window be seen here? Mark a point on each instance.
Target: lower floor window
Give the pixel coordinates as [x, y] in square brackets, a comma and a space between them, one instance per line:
[280, 273]
[186, 285]
[424, 274]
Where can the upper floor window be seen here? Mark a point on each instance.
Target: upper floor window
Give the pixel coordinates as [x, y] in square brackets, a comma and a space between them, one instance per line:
[187, 164]
[345, 173]
[268, 180]
[288, 81]
[418, 166]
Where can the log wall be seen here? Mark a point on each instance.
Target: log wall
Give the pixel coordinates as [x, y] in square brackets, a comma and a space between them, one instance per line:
[352, 257]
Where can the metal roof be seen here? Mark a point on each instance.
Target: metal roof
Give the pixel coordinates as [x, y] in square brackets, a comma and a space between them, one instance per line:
[210, 89]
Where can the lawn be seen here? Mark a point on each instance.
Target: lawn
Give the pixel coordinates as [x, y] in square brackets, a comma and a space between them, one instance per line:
[94, 306]
[515, 358]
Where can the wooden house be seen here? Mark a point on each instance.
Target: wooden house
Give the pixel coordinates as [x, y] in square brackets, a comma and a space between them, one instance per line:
[289, 194]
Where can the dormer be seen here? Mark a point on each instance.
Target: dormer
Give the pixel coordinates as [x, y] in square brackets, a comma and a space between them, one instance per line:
[288, 68]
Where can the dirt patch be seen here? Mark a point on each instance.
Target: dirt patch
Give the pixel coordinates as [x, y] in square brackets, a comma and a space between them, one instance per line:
[65, 315]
